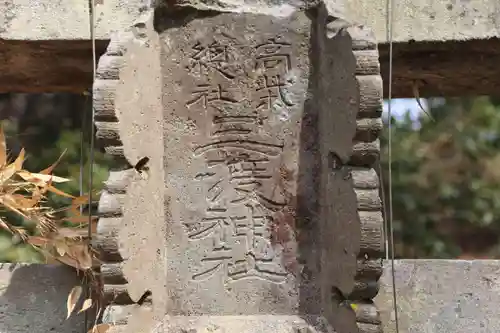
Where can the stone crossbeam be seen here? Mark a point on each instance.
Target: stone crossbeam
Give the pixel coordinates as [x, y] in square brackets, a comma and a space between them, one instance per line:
[447, 47]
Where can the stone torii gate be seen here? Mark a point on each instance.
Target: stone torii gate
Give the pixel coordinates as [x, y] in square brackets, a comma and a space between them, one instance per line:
[259, 209]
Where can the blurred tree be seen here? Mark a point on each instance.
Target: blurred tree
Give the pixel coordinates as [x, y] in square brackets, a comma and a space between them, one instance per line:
[446, 180]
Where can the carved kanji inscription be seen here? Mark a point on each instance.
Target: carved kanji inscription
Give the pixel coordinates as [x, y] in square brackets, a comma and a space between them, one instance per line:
[258, 226]
[273, 62]
[214, 57]
[239, 160]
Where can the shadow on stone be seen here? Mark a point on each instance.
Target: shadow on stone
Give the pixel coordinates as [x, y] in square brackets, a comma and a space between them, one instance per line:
[33, 299]
[327, 218]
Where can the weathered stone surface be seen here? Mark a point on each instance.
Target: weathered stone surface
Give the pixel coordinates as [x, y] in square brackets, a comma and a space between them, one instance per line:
[65, 20]
[253, 136]
[247, 143]
[245, 323]
[132, 225]
[258, 199]
[252, 132]
[33, 299]
[442, 296]
[429, 21]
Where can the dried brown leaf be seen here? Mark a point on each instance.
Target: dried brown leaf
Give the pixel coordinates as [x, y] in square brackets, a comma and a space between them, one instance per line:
[60, 250]
[18, 163]
[78, 256]
[73, 297]
[87, 304]
[22, 233]
[43, 188]
[73, 232]
[49, 170]
[45, 224]
[49, 258]
[61, 247]
[38, 241]
[36, 195]
[40, 179]
[83, 256]
[3, 147]
[7, 201]
[6, 173]
[22, 201]
[23, 193]
[70, 261]
[77, 202]
[59, 192]
[101, 328]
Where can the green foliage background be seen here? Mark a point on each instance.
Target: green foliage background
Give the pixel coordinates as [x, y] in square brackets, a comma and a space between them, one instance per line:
[446, 174]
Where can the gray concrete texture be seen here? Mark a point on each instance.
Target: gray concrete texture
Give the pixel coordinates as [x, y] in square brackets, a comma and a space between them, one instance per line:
[442, 296]
[422, 20]
[33, 299]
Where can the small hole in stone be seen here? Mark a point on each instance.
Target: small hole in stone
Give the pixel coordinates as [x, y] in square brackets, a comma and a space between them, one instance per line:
[334, 161]
[141, 164]
[144, 296]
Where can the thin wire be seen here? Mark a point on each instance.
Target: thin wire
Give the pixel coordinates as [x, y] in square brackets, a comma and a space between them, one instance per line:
[388, 30]
[92, 121]
[82, 150]
[91, 126]
[384, 208]
[390, 18]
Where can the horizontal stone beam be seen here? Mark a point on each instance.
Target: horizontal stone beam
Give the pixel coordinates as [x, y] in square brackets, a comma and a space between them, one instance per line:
[442, 296]
[447, 48]
[414, 20]
[429, 21]
[61, 20]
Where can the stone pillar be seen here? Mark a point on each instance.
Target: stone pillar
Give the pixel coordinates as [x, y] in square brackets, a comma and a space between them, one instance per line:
[252, 206]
